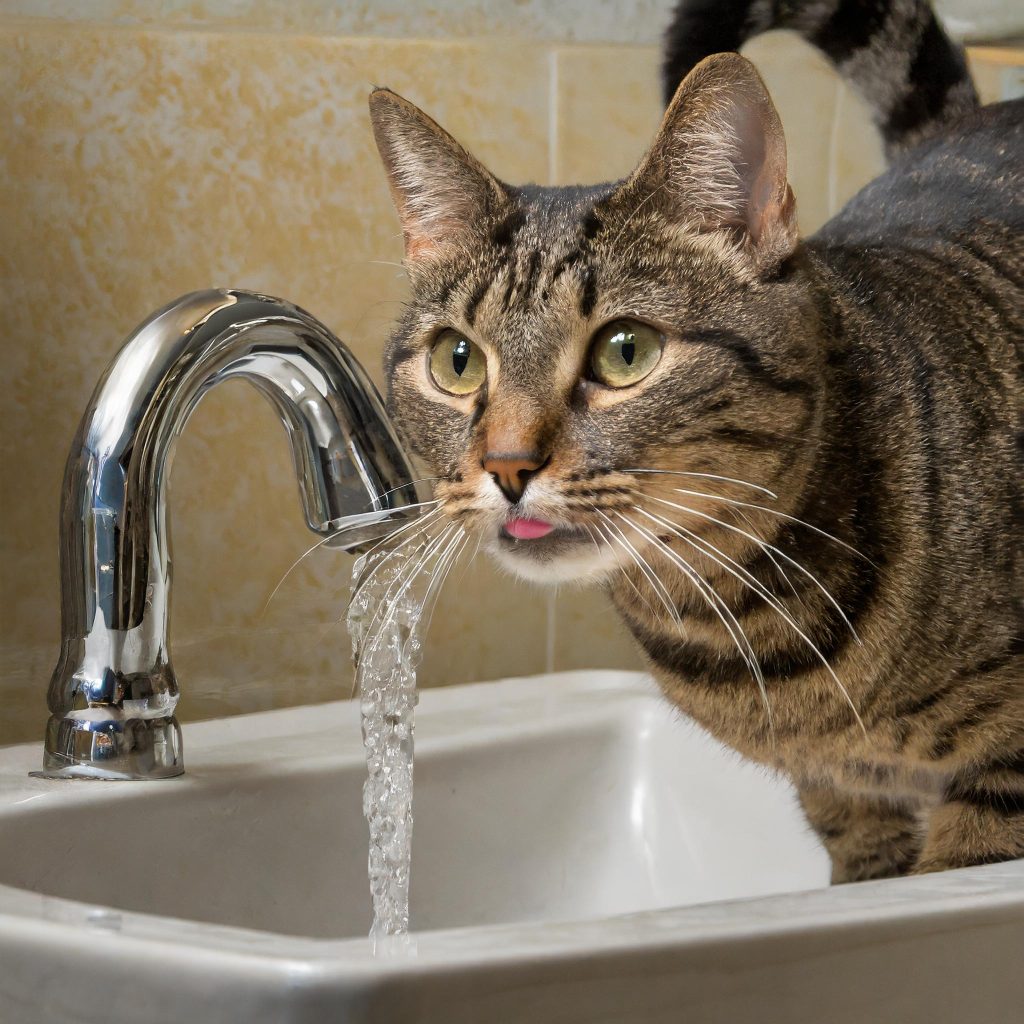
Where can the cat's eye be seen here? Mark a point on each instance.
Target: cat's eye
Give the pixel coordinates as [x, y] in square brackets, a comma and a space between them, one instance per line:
[624, 352]
[456, 364]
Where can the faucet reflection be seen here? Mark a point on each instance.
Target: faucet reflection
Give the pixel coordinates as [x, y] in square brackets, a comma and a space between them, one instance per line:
[113, 693]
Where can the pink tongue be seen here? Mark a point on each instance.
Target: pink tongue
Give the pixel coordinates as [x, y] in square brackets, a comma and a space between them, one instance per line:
[527, 529]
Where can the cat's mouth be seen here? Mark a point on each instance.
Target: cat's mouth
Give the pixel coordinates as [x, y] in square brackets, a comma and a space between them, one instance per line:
[521, 528]
[534, 536]
[547, 552]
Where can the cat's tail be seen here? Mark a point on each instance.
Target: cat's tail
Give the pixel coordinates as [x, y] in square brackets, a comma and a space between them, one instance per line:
[894, 52]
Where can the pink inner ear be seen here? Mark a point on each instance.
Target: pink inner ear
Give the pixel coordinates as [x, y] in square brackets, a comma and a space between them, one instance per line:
[760, 180]
[761, 199]
[419, 246]
[424, 239]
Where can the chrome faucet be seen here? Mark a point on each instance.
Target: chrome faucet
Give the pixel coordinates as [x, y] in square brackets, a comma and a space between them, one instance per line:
[113, 693]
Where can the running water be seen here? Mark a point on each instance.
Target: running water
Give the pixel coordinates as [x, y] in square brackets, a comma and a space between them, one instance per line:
[392, 586]
[383, 620]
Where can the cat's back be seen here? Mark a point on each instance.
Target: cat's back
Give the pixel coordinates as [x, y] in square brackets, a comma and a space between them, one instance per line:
[928, 259]
[924, 274]
[961, 188]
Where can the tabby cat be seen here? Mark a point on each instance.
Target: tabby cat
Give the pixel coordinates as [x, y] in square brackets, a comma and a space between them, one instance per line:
[793, 464]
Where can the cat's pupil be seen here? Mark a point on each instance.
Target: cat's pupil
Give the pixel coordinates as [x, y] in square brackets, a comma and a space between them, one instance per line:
[628, 350]
[460, 357]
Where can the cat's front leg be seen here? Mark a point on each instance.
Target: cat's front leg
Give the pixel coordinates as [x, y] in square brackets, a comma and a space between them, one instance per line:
[865, 836]
[981, 819]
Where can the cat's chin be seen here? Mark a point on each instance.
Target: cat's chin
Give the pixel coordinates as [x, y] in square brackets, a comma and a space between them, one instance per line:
[582, 564]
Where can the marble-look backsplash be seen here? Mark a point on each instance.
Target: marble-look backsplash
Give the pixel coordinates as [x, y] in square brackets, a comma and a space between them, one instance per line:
[568, 21]
[139, 162]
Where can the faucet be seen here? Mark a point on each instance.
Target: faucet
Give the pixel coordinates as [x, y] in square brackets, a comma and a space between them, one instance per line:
[113, 693]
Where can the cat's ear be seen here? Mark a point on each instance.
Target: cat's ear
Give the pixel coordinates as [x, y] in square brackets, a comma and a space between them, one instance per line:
[440, 190]
[719, 161]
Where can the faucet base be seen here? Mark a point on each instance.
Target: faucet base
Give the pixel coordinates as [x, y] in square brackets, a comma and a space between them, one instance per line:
[103, 743]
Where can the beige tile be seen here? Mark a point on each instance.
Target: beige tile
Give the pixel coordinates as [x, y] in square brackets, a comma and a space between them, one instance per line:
[486, 625]
[579, 20]
[138, 166]
[590, 634]
[998, 72]
[607, 110]
[857, 154]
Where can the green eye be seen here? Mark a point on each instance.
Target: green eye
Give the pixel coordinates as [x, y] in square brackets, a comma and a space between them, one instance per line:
[624, 352]
[456, 364]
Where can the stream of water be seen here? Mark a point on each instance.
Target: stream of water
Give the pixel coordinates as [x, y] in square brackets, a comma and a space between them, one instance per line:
[383, 620]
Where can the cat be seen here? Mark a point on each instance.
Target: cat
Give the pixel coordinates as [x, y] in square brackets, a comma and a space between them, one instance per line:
[794, 465]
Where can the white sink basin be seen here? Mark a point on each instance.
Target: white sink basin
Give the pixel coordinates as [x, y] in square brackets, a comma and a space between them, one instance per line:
[567, 827]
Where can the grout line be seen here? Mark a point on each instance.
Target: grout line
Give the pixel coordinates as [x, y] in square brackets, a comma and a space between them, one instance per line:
[833, 152]
[549, 652]
[326, 29]
[552, 116]
[318, 33]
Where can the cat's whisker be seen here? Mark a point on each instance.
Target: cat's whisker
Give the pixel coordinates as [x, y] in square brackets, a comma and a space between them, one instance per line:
[389, 601]
[328, 540]
[435, 541]
[659, 588]
[717, 555]
[408, 483]
[424, 521]
[745, 577]
[381, 612]
[324, 631]
[388, 263]
[590, 534]
[472, 557]
[636, 589]
[438, 573]
[442, 570]
[405, 572]
[711, 551]
[774, 512]
[420, 521]
[764, 545]
[813, 647]
[465, 547]
[405, 579]
[706, 476]
[717, 604]
[291, 568]
[771, 558]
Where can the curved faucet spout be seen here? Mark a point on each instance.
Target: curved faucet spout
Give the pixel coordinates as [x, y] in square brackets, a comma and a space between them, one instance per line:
[113, 694]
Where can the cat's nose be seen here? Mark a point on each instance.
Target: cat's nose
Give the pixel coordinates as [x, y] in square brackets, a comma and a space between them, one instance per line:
[512, 471]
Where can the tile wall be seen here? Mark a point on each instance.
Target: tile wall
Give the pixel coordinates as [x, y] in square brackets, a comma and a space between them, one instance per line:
[142, 157]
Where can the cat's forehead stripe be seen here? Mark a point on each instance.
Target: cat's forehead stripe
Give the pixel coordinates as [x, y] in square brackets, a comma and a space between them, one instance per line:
[453, 283]
[475, 298]
[587, 225]
[524, 265]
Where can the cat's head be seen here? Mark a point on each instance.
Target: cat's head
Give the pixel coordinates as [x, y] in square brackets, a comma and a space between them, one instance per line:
[560, 344]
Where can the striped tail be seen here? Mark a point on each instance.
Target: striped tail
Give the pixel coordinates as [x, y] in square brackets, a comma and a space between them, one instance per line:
[894, 52]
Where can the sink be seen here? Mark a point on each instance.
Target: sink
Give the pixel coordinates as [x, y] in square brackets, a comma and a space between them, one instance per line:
[581, 853]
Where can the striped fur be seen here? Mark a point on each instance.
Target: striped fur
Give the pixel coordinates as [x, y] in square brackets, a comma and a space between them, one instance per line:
[894, 52]
[860, 626]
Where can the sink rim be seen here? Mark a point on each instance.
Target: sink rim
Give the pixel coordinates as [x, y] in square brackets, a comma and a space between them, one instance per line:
[966, 895]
